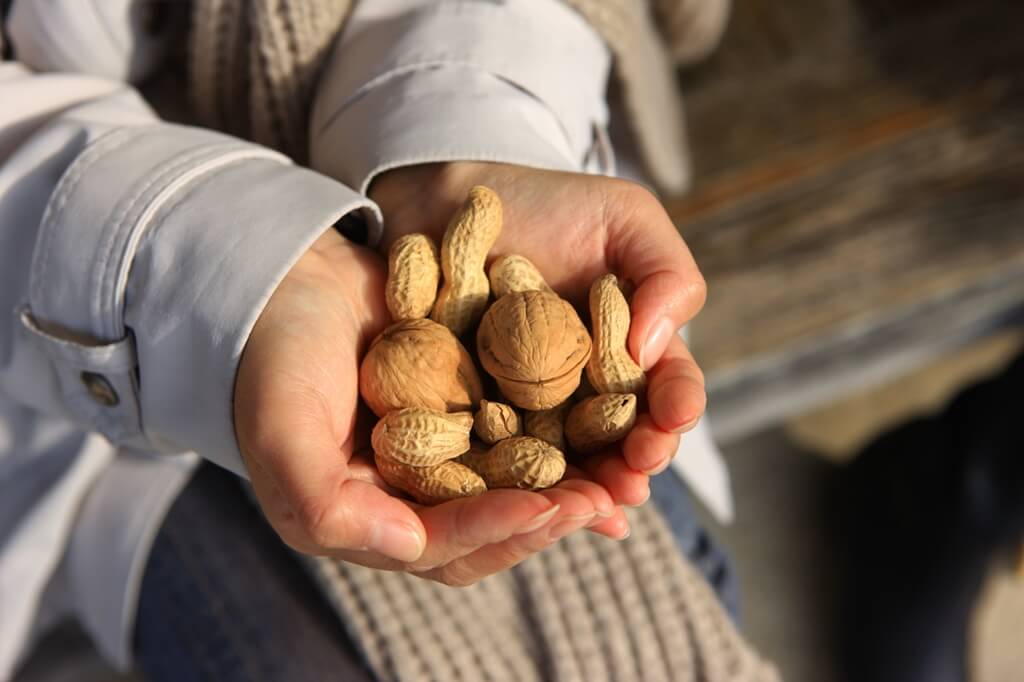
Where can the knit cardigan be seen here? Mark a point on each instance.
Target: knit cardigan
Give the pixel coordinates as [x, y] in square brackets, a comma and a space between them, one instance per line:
[280, 45]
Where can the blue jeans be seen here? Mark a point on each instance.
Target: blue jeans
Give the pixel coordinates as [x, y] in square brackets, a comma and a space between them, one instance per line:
[223, 600]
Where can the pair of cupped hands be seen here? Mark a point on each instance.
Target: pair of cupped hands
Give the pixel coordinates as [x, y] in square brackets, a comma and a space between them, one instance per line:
[304, 437]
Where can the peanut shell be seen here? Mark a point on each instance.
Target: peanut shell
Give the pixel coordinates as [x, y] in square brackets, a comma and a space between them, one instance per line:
[420, 437]
[413, 275]
[611, 369]
[433, 484]
[548, 425]
[600, 421]
[518, 462]
[496, 421]
[469, 237]
[509, 274]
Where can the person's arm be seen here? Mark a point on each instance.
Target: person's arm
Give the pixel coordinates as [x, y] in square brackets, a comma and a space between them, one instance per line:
[130, 281]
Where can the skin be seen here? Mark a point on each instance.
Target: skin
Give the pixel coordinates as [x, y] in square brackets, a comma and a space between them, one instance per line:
[304, 438]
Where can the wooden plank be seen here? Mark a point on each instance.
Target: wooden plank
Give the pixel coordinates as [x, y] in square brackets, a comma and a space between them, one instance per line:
[859, 206]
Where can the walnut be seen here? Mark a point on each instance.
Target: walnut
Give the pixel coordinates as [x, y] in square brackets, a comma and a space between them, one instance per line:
[535, 345]
[419, 363]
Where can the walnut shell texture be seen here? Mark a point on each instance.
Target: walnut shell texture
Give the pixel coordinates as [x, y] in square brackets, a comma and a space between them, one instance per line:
[418, 363]
[519, 462]
[535, 346]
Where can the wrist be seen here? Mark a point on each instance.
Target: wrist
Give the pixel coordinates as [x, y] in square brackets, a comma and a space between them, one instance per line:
[422, 197]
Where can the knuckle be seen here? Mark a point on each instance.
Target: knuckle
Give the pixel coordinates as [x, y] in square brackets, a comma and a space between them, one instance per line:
[314, 517]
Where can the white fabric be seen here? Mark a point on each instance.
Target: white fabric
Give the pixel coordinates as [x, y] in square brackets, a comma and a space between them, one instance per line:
[441, 80]
[119, 255]
[113, 39]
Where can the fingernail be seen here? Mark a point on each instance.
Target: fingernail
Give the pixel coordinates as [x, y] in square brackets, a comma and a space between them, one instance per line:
[687, 426]
[568, 525]
[659, 468]
[656, 343]
[397, 540]
[539, 520]
[626, 534]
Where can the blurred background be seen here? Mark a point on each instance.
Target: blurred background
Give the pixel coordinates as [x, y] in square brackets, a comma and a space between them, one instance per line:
[859, 216]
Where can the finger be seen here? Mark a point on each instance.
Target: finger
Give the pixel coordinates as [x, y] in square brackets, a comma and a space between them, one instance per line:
[459, 527]
[600, 498]
[615, 528]
[362, 467]
[575, 512]
[330, 509]
[646, 249]
[626, 485]
[648, 448]
[675, 390]
[609, 520]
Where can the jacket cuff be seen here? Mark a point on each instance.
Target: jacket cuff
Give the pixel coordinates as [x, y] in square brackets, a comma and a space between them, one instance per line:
[512, 82]
[165, 243]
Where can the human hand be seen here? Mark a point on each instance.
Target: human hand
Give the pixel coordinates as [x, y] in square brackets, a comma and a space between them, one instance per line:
[575, 227]
[298, 425]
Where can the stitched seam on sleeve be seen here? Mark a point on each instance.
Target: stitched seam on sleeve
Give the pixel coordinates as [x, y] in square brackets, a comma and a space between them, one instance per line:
[118, 279]
[105, 277]
[55, 207]
[408, 69]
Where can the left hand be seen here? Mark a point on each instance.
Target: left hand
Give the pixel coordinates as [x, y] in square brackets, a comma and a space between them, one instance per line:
[575, 227]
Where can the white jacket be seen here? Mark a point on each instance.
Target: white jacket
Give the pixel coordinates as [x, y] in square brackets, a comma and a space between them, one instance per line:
[136, 255]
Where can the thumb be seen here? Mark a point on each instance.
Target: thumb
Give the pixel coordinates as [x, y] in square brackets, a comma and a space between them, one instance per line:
[670, 290]
[329, 509]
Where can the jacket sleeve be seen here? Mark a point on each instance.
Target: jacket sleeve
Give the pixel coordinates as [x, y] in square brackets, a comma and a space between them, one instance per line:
[416, 81]
[135, 257]
[124, 40]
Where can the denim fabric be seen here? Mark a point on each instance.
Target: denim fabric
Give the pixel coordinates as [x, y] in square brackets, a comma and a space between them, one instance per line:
[224, 601]
[672, 498]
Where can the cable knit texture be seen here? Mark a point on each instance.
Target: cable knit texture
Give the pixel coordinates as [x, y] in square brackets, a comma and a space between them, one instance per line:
[587, 609]
[254, 63]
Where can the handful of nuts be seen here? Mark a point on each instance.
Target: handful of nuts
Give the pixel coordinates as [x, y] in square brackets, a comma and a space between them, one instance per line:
[424, 385]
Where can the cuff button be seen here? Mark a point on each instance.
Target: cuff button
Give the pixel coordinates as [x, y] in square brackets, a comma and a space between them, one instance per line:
[100, 389]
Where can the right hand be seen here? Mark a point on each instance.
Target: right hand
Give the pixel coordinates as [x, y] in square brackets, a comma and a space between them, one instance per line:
[296, 407]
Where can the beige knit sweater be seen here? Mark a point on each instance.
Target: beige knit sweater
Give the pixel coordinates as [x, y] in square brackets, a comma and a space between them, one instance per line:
[587, 609]
[280, 45]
